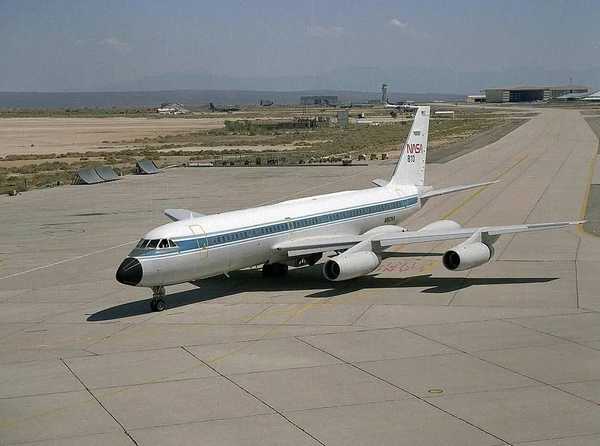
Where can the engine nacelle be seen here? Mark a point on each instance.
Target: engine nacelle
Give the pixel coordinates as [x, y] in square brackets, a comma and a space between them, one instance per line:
[351, 265]
[467, 256]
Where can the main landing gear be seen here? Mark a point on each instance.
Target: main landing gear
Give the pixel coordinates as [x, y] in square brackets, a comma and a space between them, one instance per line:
[158, 303]
[274, 269]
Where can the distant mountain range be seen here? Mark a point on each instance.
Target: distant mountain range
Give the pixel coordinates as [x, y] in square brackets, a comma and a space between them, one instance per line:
[401, 78]
[355, 84]
[189, 98]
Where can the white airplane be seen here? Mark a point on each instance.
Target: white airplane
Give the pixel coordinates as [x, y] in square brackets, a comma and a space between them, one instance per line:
[351, 229]
[404, 107]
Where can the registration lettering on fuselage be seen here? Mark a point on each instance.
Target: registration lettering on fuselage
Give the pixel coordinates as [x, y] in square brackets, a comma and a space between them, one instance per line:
[414, 147]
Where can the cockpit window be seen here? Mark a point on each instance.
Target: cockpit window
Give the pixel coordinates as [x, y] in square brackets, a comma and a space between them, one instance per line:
[156, 244]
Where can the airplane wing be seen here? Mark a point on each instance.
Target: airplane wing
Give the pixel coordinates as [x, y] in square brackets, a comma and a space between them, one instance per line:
[181, 214]
[311, 245]
[409, 237]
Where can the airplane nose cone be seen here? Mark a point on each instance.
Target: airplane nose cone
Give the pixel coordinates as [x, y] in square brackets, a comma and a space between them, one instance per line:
[130, 271]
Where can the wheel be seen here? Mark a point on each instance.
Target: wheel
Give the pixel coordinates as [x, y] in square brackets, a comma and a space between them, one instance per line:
[160, 305]
[274, 269]
[267, 269]
[280, 269]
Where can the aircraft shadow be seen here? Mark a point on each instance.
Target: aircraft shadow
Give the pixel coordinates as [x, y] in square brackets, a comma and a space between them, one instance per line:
[305, 279]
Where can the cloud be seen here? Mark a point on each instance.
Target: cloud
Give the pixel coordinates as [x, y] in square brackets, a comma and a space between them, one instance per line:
[116, 44]
[324, 31]
[398, 23]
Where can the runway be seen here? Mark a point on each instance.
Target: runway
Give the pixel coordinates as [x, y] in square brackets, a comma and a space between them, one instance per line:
[508, 353]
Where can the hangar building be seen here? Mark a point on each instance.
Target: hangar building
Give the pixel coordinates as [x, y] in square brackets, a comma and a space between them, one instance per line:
[531, 93]
[319, 100]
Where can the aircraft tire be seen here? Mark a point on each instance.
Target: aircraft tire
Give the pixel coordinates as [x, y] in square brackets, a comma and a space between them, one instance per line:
[158, 305]
[274, 269]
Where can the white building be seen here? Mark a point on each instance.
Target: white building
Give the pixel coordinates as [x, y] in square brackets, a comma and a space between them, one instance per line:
[171, 109]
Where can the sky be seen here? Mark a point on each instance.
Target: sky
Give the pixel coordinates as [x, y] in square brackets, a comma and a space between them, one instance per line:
[417, 46]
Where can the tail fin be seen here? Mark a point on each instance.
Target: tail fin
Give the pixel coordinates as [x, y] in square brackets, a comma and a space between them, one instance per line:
[411, 165]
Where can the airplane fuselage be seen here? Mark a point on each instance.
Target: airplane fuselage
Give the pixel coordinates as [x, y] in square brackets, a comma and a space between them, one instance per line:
[216, 244]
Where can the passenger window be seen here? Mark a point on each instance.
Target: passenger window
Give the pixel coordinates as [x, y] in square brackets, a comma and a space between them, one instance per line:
[153, 244]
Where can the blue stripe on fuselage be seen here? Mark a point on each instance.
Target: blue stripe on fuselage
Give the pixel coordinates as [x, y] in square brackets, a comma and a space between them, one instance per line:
[271, 229]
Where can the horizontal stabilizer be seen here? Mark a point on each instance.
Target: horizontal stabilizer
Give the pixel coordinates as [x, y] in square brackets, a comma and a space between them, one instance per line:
[451, 189]
[379, 182]
[181, 214]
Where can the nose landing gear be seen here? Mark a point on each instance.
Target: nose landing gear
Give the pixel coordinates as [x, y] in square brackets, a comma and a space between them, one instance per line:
[157, 303]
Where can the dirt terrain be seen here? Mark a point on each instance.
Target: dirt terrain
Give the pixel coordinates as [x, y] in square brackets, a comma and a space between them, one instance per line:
[64, 135]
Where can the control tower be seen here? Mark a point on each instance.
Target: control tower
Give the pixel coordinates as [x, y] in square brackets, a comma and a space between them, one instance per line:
[384, 93]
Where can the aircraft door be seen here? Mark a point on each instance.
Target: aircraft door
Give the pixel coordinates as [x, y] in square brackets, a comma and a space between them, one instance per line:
[202, 242]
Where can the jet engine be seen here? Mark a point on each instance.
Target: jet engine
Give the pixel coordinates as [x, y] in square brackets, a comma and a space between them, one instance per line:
[350, 265]
[466, 256]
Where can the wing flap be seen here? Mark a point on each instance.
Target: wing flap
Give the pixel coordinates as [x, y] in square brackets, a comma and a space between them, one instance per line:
[312, 245]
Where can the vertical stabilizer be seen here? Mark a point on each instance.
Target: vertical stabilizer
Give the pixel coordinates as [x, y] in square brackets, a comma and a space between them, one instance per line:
[411, 165]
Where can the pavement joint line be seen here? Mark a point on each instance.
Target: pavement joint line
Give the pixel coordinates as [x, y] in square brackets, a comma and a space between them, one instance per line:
[586, 195]
[68, 437]
[126, 326]
[542, 194]
[424, 400]
[563, 339]
[579, 381]
[9, 422]
[281, 414]
[29, 395]
[473, 392]
[248, 320]
[271, 330]
[71, 259]
[464, 280]
[358, 318]
[577, 271]
[533, 260]
[118, 388]
[566, 437]
[480, 190]
[474, 355]
[335, 406]
[208, 420]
